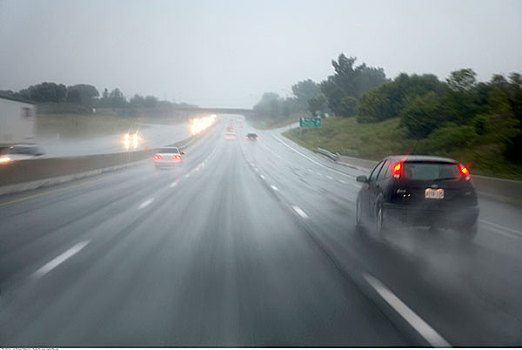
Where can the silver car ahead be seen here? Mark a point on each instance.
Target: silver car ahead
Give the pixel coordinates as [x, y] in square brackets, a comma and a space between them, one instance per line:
[167, 157]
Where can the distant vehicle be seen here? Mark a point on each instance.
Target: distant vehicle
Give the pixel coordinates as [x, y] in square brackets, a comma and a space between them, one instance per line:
[420, 191]
[252, 136]
[168, 157]
[17, 122]
[20, 152]
[131, 139]
[229, 129]
[230, 135]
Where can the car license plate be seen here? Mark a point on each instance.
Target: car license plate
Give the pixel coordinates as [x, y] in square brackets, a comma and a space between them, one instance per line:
[432, 193]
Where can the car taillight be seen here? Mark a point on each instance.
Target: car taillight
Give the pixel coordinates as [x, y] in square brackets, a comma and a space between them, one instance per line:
[397, 169]
[256, 137]
[464, 172]
[157, 157]
[176, 157]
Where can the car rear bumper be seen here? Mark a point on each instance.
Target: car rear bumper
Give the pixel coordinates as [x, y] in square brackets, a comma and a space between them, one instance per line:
[422, 216]
[166, 163]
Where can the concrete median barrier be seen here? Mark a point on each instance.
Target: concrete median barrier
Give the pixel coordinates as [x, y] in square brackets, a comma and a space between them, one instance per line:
[30, 174]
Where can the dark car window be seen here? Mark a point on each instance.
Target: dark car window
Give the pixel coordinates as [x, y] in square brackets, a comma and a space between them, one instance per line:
[169, 150]
[382, 174]
[32, 150]
[429, 171]
[375, 171]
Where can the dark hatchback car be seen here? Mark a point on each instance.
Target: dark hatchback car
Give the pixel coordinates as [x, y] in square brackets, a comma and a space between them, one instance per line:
[420, 191]
[251, 137]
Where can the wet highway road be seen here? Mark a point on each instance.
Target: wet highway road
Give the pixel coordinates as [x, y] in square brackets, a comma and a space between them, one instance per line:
[246, 243]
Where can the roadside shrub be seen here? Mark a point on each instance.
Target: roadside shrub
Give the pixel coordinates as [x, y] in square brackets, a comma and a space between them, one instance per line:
[448, 138]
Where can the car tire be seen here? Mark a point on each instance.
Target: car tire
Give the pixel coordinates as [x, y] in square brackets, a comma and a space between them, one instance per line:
[379, 226]
[358, 214]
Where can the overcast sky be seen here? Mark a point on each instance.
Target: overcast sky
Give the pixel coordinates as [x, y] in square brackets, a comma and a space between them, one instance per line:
[227, 53]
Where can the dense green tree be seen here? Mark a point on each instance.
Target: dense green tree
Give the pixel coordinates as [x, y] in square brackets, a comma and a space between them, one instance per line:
[116, 99]
[82, 93]
[387, 100]
[304, 91]
[269, 105]
[349, 80]
[74, 96]
[150, 102]
[422, 115]
[137, 101]
[460, 97]
[348, 106]
[462, 80]
[317, 105]
[45, 92]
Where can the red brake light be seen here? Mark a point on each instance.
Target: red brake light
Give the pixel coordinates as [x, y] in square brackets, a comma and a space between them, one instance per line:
[464, 172]
[157, 157]
[397, 170]
[176, 157]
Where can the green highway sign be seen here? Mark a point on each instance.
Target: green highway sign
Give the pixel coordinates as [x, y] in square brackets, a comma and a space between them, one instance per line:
[310, 122]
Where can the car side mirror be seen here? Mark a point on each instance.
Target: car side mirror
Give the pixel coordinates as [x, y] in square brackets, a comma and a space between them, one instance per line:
[182, 152]
[361, 178]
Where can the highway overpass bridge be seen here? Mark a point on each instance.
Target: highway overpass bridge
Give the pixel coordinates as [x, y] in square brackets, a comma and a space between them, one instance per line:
[213, 110]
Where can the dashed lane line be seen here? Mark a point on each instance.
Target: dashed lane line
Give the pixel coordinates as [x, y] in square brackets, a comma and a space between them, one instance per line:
[300, 212]
[146, 203]
[45, 269]
[423, 328]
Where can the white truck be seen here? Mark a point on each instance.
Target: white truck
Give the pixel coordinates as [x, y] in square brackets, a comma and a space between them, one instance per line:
[17, 129]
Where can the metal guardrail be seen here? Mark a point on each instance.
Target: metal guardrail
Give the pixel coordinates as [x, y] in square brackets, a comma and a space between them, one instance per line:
[328, 154]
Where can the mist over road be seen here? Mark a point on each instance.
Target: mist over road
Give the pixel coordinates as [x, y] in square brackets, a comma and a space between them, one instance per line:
[246, 244]
[151, 135]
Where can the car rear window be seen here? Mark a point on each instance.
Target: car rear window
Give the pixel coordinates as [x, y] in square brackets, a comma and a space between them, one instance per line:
[429, 171]
[168, 150]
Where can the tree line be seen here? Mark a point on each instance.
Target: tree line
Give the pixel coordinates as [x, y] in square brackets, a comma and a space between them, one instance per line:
[441, 115]
[337, 95]
[85, 97]
[457, 113]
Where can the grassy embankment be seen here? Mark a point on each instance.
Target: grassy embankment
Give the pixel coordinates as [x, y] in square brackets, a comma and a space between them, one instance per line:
[377, 140]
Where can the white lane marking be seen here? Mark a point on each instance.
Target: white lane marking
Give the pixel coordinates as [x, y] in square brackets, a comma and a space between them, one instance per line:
[262, 176]
[60, 259]
[256, 169]
[424, 329]
[329, 177]
[342, 181]
[274, 188]
[174, 183]
[507, 229]
[146, 203]
[310, 159]
[300, 211]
